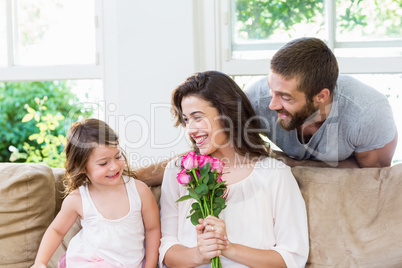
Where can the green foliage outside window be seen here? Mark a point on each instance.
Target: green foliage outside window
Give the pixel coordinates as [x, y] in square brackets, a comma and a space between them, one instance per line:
[51, 145]
[259, 19]
[14, 96]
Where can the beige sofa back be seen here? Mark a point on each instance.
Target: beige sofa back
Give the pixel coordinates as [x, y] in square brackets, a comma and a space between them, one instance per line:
[355, 215]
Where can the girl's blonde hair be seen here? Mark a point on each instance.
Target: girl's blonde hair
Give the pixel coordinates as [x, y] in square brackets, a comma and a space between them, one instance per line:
[82, 138]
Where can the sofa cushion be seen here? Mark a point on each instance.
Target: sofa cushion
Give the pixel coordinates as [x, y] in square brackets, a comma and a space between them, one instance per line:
[27, 199]
[59, 182]
[355, 216]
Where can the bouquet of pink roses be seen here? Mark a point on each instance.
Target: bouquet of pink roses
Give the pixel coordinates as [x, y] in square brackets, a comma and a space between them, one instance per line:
[202, 175]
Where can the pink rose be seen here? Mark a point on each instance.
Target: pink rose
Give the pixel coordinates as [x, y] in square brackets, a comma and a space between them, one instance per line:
[189, 161]
[203, 159]
[219, 179]
[183, 178]
[217, 165]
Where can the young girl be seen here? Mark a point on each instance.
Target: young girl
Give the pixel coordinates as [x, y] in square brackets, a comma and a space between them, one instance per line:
[265, 221]
[118, 214]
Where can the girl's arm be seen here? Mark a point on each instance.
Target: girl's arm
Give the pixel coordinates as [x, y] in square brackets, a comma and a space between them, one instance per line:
[58, 228]
[150, 217]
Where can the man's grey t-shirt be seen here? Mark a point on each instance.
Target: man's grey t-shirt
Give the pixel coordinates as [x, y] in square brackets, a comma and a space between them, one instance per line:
[360, 120]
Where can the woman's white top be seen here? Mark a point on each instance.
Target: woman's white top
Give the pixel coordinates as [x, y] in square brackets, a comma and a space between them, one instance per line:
[265, 211]
[117, 243]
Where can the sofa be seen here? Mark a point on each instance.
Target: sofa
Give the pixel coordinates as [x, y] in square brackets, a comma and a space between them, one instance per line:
[355, 215]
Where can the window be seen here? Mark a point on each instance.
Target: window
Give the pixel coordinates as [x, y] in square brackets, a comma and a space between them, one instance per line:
[45, 40]
[48, 48]
[49, 40]
[366, 36]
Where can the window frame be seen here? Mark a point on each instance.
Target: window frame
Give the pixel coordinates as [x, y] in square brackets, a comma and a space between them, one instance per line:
[12, 72]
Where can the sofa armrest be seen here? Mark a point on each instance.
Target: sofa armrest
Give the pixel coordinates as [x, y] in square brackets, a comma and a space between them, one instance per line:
[27, 199]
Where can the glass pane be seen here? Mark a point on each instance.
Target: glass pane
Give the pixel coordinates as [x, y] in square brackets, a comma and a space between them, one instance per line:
[3, 34]
[90, 95]
[54, 32]
[367, 20]
[261, 22]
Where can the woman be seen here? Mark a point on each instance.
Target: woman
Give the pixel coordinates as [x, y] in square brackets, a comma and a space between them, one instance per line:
[265, 222]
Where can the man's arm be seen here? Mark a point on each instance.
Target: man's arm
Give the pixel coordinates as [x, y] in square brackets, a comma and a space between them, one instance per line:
[381, 157]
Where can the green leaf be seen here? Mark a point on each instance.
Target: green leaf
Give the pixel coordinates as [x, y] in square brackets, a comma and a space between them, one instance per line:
[220, 184]
[219, 202]
[205, 169]
[30, 110]
[218, 192]
[211, 178]
[196, 206]
[39, 140]
[33, 137]
[193, 194]
[27, 117]
[217, 211]
[184, 197]
[201, 189]
[195, 217]
[204, 178]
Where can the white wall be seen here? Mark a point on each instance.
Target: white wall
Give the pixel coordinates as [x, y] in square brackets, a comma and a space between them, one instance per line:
[148, 51]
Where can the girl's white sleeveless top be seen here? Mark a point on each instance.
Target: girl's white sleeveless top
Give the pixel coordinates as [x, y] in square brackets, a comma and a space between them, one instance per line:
[118, 242]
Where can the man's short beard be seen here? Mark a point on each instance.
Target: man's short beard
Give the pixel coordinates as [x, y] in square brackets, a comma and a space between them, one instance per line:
[299, 117]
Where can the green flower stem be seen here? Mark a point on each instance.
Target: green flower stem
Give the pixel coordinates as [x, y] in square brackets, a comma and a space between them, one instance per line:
[204, 213]
[206, 205]
[216, 262]
[195, 175]
[212, 201]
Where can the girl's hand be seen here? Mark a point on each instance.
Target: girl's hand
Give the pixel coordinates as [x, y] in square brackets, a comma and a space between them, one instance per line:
[209, 244]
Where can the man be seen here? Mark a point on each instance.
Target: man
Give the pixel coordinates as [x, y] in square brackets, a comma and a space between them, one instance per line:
[318, 118]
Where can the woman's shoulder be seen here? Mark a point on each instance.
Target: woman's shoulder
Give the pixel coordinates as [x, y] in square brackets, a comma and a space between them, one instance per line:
[273, 170]
[272, 164]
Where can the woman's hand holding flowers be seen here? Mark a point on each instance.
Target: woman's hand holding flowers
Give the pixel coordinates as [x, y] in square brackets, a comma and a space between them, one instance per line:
[209, 242]
[202, 176]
